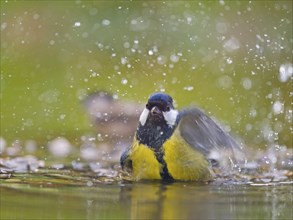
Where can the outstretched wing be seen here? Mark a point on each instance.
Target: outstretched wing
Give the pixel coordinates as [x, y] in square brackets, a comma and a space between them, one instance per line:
[206, 136]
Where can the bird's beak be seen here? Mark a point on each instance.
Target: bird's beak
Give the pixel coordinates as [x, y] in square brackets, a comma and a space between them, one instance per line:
[155, 111]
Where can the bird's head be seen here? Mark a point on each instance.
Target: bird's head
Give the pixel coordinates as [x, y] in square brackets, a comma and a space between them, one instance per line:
[159, 110]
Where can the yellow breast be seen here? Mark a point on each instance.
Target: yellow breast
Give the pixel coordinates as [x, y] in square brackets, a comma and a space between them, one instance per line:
[144, 163]
[184, 162]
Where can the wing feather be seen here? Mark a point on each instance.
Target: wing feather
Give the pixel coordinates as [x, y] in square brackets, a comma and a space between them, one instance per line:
[206, 136]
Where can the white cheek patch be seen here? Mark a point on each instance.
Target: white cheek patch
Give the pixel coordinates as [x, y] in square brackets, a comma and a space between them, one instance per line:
[144, 116]
[171, 117]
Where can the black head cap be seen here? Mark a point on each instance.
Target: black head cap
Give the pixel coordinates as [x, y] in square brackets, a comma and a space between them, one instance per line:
[160, 99]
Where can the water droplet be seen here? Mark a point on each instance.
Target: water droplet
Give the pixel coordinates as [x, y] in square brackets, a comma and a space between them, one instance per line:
[231, 44]
[278, 107]
[124, 81]
[3, 26]
[60, 147]
[62, 116]
[123, 60]
[188, 88]
[161, 59]
[229, 60]
[174, 58]
[51, 42]
[252, 112]
[246, 83]
[89, 183]
[106, 22]
[126, 45]
[77, 24]
[285, 72]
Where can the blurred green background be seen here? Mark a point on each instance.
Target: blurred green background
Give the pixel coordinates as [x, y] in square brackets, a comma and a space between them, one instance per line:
[231, 58]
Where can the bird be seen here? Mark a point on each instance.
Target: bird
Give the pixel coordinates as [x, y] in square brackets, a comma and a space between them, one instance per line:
[115, 122]
[109, 115]
[172, 145]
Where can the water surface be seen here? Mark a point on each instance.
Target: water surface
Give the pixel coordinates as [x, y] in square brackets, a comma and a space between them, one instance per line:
[65, 194]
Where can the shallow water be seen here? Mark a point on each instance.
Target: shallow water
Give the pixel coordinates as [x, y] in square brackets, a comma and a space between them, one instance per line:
[33, 187]
[66, 194]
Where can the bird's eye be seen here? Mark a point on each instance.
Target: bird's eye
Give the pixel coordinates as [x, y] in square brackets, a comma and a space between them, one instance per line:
[147, 106]
[168, 108]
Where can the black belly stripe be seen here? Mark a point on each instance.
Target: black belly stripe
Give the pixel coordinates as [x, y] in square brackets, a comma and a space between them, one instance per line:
[164, 173]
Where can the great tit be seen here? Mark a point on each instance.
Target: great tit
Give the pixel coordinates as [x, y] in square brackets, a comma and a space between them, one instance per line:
[177, 145]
